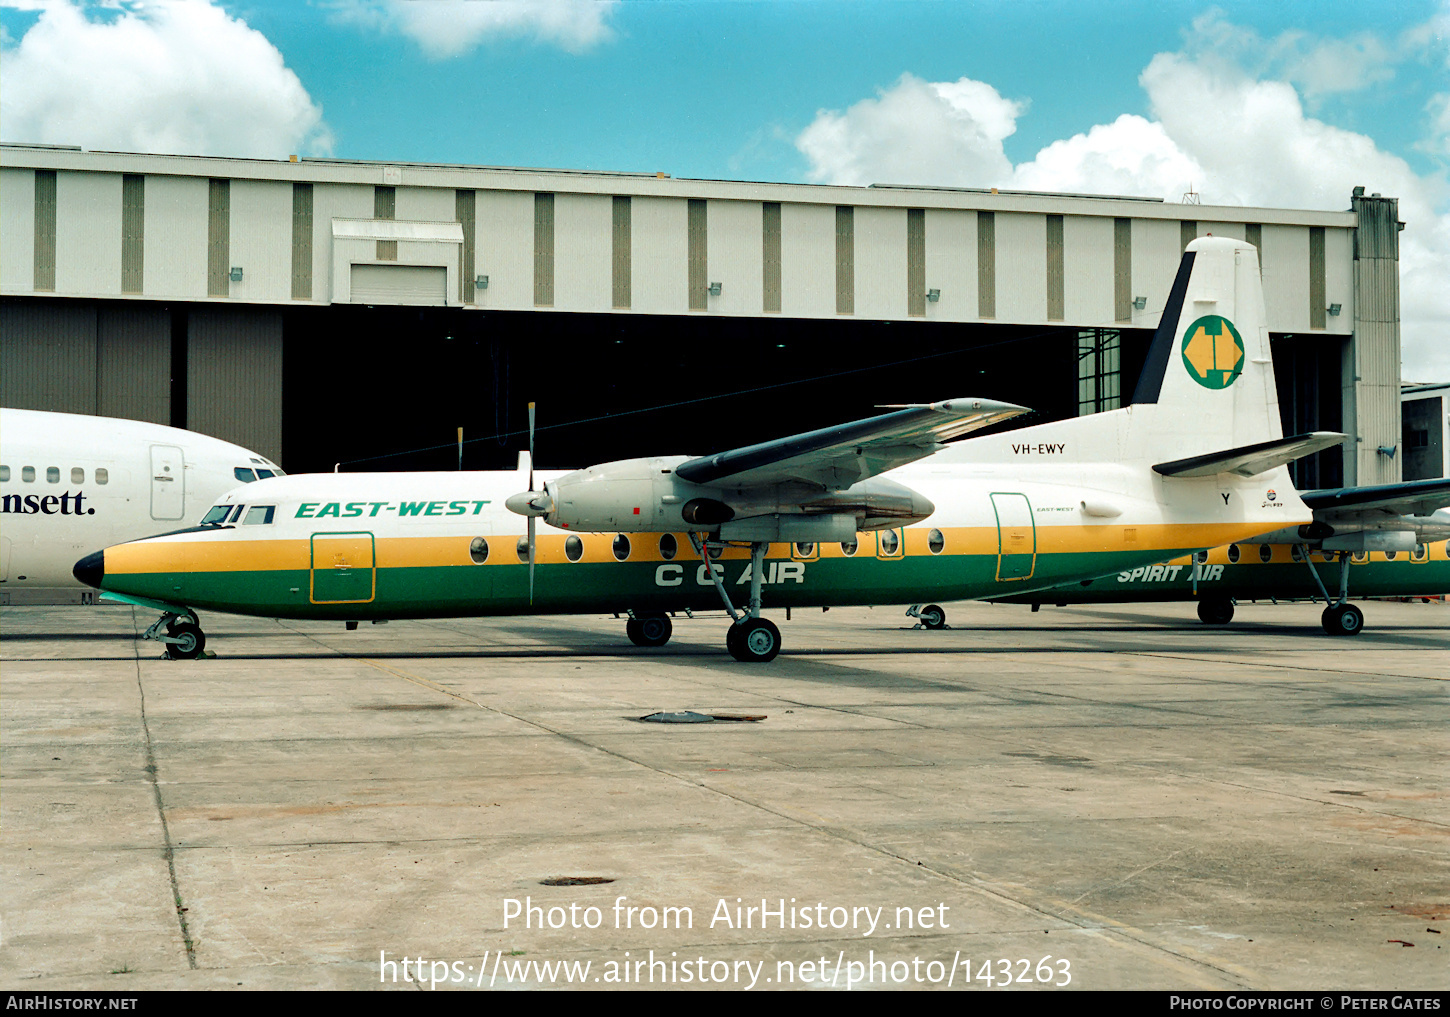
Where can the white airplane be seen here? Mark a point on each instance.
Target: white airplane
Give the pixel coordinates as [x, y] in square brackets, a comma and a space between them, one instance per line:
[871, 512]
[74, 483]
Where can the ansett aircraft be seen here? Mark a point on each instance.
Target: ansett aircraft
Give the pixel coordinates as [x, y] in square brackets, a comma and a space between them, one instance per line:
[74, 483]
[1389, 541]
[875, 511]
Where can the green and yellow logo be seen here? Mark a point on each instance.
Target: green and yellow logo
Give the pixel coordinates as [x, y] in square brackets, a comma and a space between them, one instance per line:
[1213, 352]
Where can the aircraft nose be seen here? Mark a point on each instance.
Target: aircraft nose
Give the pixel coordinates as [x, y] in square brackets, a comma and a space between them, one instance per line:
[91, 569]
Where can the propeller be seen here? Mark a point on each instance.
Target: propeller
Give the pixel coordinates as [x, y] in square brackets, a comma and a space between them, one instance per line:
[531, 504]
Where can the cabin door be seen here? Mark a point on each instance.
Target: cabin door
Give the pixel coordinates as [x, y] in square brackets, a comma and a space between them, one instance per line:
[343, 568]
[168, 482]
[1016, 537]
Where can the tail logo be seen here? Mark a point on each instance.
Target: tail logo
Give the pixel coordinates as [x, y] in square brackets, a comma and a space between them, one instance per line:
[1213, 352]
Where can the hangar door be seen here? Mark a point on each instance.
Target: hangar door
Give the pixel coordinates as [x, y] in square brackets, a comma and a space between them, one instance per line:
[400, 284]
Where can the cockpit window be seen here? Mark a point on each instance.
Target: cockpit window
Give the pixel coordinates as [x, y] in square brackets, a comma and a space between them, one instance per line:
[264, 474]
[259, 515]
[237, 514]
[216, 515]
[243, 474]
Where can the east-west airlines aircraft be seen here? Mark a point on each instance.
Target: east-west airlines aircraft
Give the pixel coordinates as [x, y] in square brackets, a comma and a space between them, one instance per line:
[73, 483]
[876, 511]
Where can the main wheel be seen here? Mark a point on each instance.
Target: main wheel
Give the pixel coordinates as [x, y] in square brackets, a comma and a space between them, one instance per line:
[1342, 620]
[1215, 610]
[932, 617]
[755, 640]
[649, 629]
[190, 641]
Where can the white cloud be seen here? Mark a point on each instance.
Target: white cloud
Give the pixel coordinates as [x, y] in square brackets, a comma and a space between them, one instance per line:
[1215, 126]
[450, 28]
[915, 132]
[171, 76]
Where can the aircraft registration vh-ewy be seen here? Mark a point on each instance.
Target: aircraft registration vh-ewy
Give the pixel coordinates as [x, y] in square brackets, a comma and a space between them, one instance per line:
[72, 483]
[876, 511]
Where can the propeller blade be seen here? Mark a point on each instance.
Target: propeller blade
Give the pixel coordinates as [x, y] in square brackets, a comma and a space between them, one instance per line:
[531, 456]
[531, 560]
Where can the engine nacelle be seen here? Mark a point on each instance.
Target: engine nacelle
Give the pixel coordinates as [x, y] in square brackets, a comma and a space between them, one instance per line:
[645, 496]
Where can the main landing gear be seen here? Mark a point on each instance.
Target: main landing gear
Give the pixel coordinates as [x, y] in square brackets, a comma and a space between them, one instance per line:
[184, 638]
[1340, 618]
[750, 638]
[1215, 610]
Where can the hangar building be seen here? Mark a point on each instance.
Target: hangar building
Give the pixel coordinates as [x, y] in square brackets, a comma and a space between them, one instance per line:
[329, 312]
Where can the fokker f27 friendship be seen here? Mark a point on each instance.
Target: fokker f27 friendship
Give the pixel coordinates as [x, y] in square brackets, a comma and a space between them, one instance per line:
[877, 511]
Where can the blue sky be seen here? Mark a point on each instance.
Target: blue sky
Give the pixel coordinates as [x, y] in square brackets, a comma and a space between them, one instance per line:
[1286, 104]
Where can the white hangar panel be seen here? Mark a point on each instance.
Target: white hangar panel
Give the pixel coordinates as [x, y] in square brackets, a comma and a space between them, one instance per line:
[174, 259]
[1157, 250]
[261, 240]
[1087, 270]
[505, 249]
[734, 254]
[1232, 230]
[659, 244]
[951, 264]
[807, 261]
[1021, 267]
[329, 202]
[1286, 277]
[880, 262]
[583, 252]
[1339, 280]
[425, 204]
[17, 230]
[88, 234]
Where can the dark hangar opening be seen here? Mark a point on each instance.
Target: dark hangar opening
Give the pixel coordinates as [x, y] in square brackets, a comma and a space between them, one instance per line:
[385, 388]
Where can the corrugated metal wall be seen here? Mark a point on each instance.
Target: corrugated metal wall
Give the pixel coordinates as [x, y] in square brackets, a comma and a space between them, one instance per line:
[770, 263]
[1056, 274]
[218, 238]
[697, 246]
[1372, 382]
[543, 250]
[916, 261]
[986, 265]
[622, 243]
[234, 376]
[133, 363]
[1123, 270]
[845, 259]
[48, 352]
[133, 232]
[301, 241]
[464, 204]
[45, 230]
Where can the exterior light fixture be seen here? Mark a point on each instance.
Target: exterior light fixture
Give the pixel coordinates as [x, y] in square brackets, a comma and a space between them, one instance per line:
[236, 273]
[933, 295]
[1139, 303]
[715, 289]
[1334, 309]
[480, 282]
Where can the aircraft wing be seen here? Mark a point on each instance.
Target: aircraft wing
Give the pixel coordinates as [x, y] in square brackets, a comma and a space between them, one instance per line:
[1248, 460]
[1411, 498]
[837, 457]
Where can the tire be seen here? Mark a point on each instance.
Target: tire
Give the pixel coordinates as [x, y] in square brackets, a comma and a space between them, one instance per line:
[192, 641]
[932, 617]
[649, 629]
[754, 641]
[1215, 611]
[1343, 620]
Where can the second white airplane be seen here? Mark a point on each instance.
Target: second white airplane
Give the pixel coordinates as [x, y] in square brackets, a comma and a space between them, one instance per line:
[876, 511]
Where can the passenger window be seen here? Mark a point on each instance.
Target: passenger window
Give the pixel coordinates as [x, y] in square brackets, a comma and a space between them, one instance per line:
[259, 515]
[1390, 555]
[1265, 552]
[805, 549]
[52, 474]
[4, 473]
[27, 474]
[523, 550]
[243, 474]
[1296, 551]
[1233, 554]
[478, 550]
[103, 475]
[1420, 553]
[573, 548]
[889, 542]
[669, 547]
[77, 475]
[935, 541]
[848, 547]
[216, 515]
[621, 546]
[1201, 557]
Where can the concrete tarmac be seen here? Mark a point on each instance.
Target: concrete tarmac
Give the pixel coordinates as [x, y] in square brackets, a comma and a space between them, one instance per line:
[1108, 797]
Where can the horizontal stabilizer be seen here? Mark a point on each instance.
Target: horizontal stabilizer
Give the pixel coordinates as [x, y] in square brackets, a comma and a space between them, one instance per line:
[1411, 498]
[849, 453]
[1249, 460]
